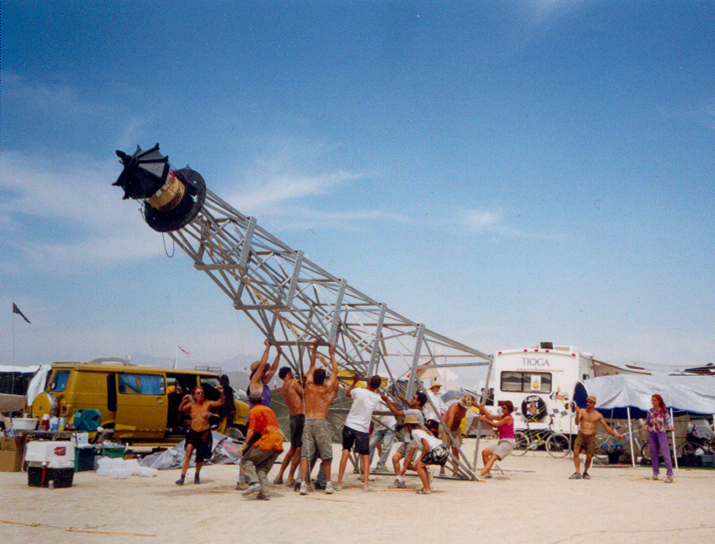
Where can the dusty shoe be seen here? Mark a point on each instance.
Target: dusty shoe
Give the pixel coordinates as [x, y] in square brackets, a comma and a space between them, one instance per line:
[329, 488]
[668, 479]
[253, 488]
[397, 484]
[655, 476]
[575, 476]
[303, 488]
[278, 480]
[586, 476]
[381, 470]
[180, 481]
[197, 480]
[241, 486]
[369, 489]
[263, 496]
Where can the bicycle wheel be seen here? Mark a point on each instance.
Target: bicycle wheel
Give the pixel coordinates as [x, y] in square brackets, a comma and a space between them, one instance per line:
[688, 450]
[601, 453]
[557, 445]
[521, 443]
[645, 452]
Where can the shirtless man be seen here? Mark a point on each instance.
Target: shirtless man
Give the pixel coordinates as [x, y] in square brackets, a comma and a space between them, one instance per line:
[292, 393]
[318, 393]
[588, 418]
[453, 419]
[198, 436]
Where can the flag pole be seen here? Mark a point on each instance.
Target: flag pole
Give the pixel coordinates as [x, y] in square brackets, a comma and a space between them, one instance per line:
[176, 355]
[12, 389]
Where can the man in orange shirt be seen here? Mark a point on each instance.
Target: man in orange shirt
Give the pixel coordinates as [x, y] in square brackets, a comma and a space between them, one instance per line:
[263, 445]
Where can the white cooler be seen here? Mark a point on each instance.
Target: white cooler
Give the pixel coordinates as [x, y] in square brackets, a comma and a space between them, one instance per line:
[53, 454]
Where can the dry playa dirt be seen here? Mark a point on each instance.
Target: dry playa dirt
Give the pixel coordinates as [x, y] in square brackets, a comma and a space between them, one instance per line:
[532, 500]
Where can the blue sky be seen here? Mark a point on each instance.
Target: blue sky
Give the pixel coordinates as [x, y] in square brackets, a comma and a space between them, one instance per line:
[504, 172]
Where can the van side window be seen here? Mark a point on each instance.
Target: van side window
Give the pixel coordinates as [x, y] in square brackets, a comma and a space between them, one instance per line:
[526, 382]
[141, 384]
[59, 381]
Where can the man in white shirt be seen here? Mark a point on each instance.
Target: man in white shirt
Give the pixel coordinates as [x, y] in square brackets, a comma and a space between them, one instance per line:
[357, 427]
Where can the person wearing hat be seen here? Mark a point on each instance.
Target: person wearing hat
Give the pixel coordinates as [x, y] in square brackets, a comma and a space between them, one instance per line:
[262, 374]
[263, 445]
[452, 436]
[588, 418]
[434, 408]
[414, 409]
[432, 451]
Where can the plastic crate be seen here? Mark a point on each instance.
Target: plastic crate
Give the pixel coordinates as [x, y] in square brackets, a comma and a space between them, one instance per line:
[84, 459]
[113, 451]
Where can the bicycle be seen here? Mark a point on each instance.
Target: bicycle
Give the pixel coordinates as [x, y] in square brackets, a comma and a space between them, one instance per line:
[693, 445]
[556, 444]
[606, 444]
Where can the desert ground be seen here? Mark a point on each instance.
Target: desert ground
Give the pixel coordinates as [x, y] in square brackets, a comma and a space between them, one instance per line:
[531, 499]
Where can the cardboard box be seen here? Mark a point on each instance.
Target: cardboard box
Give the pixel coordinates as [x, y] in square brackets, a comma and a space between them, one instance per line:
[10, 461]
[13, 443]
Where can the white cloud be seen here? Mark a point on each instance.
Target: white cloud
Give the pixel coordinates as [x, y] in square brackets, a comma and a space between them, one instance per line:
[62, 212]
[481, 221]
[49, 97]
[493, 222]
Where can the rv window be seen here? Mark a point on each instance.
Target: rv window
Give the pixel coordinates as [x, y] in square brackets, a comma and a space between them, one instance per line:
[526, 382]
[59, 380]
[511, 381]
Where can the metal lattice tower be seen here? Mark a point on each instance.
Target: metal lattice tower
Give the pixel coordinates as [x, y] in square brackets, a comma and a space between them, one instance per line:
[292, 300]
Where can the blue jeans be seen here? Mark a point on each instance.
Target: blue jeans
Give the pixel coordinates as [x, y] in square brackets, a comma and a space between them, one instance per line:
[659, 445]
[387, 437]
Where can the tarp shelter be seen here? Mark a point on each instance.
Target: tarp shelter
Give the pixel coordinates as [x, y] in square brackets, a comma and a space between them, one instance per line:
[688, 394]
[626, 396]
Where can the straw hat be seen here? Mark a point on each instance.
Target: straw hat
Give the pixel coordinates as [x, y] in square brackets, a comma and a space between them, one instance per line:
[410, 420]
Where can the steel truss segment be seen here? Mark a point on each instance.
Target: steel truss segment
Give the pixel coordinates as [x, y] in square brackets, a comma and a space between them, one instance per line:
[291, 300]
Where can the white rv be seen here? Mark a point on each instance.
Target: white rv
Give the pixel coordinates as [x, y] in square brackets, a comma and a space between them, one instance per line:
[540, 382]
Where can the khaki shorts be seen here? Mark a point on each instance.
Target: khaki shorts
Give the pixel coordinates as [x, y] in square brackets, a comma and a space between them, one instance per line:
[453, 438]
[316, 435]
[585, 442]
[503, 448]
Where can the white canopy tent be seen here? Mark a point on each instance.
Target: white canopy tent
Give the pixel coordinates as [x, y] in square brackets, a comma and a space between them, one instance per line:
[692, 394]
[628, 395]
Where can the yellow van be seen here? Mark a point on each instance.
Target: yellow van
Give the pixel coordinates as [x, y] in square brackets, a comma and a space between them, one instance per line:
[140, 403]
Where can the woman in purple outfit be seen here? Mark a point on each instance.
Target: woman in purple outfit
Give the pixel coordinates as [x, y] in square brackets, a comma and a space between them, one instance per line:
[659, 421]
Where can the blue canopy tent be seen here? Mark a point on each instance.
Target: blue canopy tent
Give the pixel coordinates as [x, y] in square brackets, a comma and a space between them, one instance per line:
[627, 396]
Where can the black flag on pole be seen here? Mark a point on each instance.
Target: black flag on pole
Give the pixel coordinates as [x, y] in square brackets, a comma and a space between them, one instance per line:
[16, 310]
